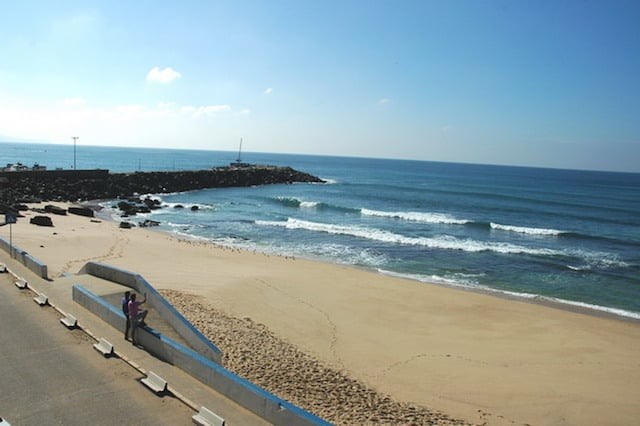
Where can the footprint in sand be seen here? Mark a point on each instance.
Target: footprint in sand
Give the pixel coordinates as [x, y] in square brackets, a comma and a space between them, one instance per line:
[115, 251]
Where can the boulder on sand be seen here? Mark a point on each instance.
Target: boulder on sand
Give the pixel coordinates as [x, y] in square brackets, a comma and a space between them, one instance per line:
[81, 211]
[50, 208]
[41, 221]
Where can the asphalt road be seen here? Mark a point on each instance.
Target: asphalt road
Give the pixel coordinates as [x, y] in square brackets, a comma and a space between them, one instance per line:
[51, 375]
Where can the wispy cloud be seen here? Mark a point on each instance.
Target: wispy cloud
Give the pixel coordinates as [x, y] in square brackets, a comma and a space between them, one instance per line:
[163, 76]
[158, 122]
[77, 25]
[131, 110]
[204, 111]
[268, 91]
[383, 101]
[73, 102]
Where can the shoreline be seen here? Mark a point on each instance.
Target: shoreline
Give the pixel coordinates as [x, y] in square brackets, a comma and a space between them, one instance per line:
[598, 311]
[573, 306]
[470, 355]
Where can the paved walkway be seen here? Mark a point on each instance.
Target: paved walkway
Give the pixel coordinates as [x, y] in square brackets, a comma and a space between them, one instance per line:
[44, 321]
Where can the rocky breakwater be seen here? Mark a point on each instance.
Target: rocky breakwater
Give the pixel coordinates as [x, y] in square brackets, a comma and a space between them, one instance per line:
[83, 185]
[163, 182]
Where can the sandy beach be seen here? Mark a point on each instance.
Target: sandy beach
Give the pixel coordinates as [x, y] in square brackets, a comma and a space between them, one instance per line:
[466, 355]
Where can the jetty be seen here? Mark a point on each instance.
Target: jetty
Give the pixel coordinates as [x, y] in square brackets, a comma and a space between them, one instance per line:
[84, 185]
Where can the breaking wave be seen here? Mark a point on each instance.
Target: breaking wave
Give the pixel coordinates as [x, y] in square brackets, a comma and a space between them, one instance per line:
[423, 217]
[526, 230]
[441, 242]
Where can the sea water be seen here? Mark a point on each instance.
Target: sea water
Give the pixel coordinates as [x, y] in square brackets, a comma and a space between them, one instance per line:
[563, 235]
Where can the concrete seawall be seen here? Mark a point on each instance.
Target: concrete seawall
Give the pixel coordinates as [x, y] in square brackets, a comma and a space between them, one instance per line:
[183, 327]
[243, 392]
[34, 265]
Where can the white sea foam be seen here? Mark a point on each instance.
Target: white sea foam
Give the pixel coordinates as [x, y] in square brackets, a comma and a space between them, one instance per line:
[308, 204]
[186, 206]
[293, 201]
[455, 280]
[614, 311]
[329, 181]
[441, 242]
[424, 217]
[154, 197]
[459, 280]
[600, 260]
[288, 200]
[343, 254]
[189, 236]
[179, 225]
[526, 230]
[578, 268]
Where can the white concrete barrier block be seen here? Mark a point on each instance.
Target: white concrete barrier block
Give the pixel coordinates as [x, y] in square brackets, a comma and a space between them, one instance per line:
[206, 417]
[69, 321]
[21, 284]
[104, 347]
[3, 268]
[155, 382]
[41, 299]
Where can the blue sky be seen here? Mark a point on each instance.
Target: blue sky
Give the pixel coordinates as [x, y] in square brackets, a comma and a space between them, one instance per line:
[540, 83]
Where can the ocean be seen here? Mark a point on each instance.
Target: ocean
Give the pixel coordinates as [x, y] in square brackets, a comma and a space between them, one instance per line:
[564, 236]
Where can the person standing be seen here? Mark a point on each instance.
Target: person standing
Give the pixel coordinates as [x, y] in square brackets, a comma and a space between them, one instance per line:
[136, 315]
[125, 310]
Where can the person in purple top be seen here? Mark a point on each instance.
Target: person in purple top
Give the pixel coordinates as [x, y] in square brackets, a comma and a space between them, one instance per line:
[136, 315]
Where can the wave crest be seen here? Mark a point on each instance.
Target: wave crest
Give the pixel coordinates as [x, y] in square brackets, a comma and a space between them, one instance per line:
[441, 242]
[526, 230]
[424, 217]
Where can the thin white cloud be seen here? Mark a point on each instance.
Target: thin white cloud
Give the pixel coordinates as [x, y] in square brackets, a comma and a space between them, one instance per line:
[74, 102]
[167, 105]
[163, 76]
[132, 109]
[268, 91]
[57, 119]
[208, 110]
[75, 26]
[245, 111]
[383, 101]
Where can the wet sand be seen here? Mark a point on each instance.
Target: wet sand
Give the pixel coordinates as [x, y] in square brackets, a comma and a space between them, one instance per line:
[409, 350]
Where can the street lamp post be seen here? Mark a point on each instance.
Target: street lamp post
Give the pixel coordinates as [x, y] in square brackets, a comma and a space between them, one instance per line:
[75, 138]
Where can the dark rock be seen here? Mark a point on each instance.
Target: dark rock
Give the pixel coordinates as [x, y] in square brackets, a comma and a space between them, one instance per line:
[194, 208]
[124, 206]
[148, 223]
[81, 211]
[178, 206]
[151, 203]
[49, 208]
[20, 207]
[126, 225]
[83, 185]
[128, 208]
[41, 221]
